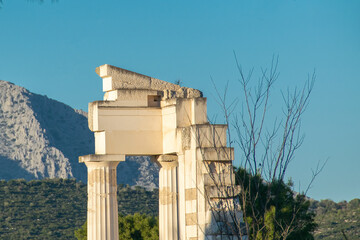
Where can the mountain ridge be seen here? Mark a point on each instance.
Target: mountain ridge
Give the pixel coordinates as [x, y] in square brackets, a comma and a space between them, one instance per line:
[42, 138]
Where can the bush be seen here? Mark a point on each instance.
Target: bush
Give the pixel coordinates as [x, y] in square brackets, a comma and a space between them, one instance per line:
[131, 227]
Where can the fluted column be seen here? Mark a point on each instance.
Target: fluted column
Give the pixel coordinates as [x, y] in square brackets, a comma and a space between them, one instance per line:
[102, 215]
[168, 198]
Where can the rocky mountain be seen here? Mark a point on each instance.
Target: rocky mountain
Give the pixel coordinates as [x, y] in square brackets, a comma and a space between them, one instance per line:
[42, 138]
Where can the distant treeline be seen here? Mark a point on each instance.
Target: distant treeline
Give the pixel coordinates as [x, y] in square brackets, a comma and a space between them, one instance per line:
[338, 221]
[54, 208]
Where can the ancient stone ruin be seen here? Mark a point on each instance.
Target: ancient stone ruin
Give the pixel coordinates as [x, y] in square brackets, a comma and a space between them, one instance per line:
[141, 115]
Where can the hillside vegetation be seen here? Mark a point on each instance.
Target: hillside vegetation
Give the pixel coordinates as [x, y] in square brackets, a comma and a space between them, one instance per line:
[337, 219]
[54, 208]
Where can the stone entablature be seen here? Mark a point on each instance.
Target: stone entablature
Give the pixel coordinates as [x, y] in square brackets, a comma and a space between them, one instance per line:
[141, 115]
[115, 78]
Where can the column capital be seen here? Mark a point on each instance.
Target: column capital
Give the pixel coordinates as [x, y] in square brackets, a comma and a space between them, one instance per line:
[167, 160]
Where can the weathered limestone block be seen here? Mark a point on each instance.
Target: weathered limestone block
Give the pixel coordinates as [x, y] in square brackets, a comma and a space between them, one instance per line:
[190, 111]
[222, 191]
[225, 218]
[118, 78]
[215, 154]
[103, 116]
[134, 98]
[215, 179]
[210, 135]
[178, 114]
[217, 167]
[131, 143]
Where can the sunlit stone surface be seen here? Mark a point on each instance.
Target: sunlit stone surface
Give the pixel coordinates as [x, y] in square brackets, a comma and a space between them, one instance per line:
[141, 115]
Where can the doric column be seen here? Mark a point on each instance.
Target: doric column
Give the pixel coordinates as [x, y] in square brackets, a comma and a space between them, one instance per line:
[168, 198]
[102, 214]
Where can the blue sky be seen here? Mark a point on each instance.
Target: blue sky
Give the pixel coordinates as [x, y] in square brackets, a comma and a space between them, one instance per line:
[53, 49]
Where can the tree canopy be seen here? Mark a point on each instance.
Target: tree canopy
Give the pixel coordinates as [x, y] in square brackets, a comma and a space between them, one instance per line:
[131, 227]
[275, 212]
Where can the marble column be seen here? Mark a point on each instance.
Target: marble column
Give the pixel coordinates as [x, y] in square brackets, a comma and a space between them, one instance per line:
[168, 198]
[102, 215]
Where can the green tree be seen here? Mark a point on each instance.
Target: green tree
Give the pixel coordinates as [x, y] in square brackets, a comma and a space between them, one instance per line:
[81, 233]
[276, 211]
[131, 227]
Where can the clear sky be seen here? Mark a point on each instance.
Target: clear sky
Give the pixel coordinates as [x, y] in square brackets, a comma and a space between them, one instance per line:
[53, 49]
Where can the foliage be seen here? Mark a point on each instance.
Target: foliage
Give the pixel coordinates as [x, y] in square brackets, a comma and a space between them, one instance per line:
[81, 233]
[48, 209]
[137, 200]
[276, 212]
[333, 218]
[136, 227]
[54, 208]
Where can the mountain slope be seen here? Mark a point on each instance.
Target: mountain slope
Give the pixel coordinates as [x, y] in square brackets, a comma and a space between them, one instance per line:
[42, 138]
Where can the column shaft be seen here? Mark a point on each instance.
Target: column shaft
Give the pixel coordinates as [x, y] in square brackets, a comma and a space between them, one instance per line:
[168, 202]
[102, 215]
